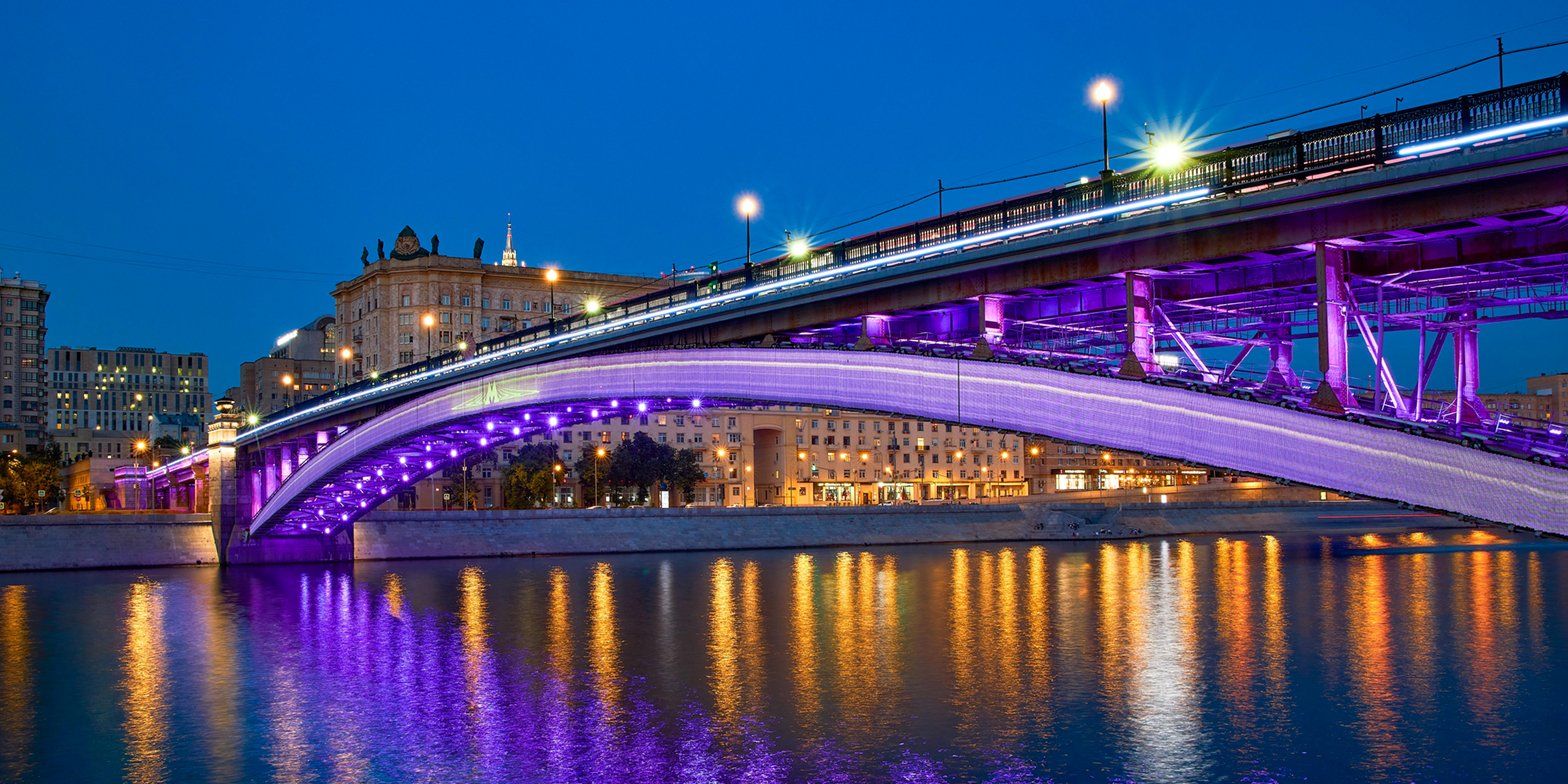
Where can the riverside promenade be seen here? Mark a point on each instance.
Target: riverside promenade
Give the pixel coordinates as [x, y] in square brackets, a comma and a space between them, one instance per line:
[44, 542]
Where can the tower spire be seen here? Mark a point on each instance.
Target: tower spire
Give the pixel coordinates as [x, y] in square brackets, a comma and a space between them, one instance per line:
[509, 254]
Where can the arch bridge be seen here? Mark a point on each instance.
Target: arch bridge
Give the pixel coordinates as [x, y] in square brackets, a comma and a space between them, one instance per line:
[1152, 311]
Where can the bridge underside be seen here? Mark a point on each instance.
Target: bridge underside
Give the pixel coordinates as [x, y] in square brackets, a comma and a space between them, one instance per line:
[351, 472]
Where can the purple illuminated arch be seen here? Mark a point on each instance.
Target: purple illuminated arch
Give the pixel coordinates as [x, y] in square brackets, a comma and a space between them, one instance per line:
[351, 475]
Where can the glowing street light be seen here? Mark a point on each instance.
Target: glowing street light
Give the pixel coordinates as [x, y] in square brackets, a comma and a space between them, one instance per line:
[1103, 92]
[748, 207]
[552, 275]
[799, 247]
[429, 322]
[598, 454]
[592, 306]
[1168, 154]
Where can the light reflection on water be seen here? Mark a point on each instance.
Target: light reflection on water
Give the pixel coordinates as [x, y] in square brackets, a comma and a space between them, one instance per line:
[1253, 658]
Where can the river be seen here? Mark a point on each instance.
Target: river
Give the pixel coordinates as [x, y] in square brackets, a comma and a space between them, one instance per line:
[1397, 657]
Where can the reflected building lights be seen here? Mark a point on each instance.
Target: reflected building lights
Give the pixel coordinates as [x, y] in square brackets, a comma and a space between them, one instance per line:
[803, 645]
[17, 719]
[144, 699]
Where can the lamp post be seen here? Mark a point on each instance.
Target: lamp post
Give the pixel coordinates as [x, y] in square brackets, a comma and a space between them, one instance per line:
[598, 458]
[347, 355]
[429, 322]
[555, 482]
[288, 389]
[1103, 92]
[552, 275]
[748, 207]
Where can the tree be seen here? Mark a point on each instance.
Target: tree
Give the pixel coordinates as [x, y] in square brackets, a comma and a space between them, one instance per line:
[530, 477]
[639, 463]
[685, 471]
[593, 473]
[461, 487]
[32, 481]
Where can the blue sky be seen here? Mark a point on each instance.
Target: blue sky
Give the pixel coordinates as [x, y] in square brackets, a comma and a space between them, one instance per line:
[256, 147]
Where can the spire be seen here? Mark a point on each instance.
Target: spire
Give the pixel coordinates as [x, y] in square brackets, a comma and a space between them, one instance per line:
[509, 254]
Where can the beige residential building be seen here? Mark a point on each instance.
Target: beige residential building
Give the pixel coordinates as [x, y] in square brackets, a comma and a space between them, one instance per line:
[782, 456]
[23, 402]
[1553, 388]
[416, 303]
[1064, 467]
[301, 365]
[101, 401]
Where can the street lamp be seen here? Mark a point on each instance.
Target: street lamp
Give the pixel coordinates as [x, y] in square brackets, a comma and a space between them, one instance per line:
[288, 388]
[592, 306]
[552, 275]
[429, 322]
[748, 207]
[1103, 92]
[598, 455]
[799, 247]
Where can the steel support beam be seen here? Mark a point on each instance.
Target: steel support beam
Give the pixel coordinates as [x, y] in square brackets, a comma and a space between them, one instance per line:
[1282, 350]
[1139, 361]
[1333, 344]
[1468, 407]
[874, 331]
[992, 323]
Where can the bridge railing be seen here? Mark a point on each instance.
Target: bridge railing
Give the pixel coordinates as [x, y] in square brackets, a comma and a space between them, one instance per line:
[1282, 159]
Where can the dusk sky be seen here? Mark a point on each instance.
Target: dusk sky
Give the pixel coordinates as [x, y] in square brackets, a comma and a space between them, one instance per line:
[196, 178]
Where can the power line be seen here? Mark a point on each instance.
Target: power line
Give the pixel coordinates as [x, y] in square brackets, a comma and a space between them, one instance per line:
[1080, 165]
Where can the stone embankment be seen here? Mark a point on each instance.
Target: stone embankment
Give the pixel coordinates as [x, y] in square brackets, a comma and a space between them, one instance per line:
[122, 540]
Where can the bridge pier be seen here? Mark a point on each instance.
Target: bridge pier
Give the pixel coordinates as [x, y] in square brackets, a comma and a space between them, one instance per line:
[875, 331]
[1281, 352]
[1333, 340]
[1468, 407]
[233, 496]
[1139, 361]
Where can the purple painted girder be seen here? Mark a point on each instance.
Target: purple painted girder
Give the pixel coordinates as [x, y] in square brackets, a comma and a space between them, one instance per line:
[1172, 422]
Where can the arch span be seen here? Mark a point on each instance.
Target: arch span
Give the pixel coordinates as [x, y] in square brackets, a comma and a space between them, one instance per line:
[342, 481]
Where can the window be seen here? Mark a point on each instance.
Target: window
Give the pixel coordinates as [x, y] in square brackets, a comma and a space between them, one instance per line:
[405, 320]
[468, 300]
[406, 300]
[506, 303]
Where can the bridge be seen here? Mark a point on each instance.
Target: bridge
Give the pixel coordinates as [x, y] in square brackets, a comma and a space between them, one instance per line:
[1154, 310]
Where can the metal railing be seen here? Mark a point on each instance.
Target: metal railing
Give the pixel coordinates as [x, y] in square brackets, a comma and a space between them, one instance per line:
[1282, 159]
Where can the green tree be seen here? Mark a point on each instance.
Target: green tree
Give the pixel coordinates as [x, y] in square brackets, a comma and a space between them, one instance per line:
[530, 477]
[32, 481]
[639, 463]
[593, 473]
[685, 471]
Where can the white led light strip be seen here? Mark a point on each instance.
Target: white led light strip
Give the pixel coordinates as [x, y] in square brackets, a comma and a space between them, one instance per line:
[1500, 132]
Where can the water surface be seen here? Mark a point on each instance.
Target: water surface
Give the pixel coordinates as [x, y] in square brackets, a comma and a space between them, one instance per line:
[1417, 657]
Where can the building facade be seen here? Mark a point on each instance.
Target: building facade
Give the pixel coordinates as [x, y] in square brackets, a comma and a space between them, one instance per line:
[777, 456]
[302, 364]
[23, 361]
[1553, 388]
[1064, 467]
[416, 303]
[103, 401]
